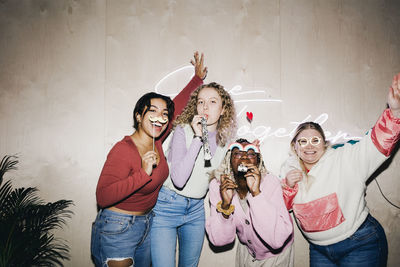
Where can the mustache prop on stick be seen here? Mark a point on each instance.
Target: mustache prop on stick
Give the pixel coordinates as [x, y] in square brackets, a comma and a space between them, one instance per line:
[159, 121]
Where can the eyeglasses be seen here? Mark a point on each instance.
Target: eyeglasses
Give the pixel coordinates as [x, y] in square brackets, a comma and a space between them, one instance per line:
[314, 141]
[240, 154]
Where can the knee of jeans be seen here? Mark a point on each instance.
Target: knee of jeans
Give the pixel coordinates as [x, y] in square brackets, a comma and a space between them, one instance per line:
[119, 262]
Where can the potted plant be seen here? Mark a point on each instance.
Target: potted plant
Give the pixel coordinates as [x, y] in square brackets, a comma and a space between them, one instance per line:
[27, 224]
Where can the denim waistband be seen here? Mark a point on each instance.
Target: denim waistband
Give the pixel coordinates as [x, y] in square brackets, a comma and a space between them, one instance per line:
[169, 192]
[369, 220]
[107, 212]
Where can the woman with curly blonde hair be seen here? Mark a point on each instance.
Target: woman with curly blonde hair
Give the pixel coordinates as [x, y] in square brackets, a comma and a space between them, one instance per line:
[227, 121]
[198, 142]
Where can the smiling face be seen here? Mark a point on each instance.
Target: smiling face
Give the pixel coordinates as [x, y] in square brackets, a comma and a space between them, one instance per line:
[209, 104]
[154, 119]
[309, 146]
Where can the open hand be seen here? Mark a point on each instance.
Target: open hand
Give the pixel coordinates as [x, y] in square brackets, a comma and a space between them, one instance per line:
[198, 64]
[394, 96]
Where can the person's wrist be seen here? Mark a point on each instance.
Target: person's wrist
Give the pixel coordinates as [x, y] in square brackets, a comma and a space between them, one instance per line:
[396, 113]
[255, 192]
[287, 183]
[201, 75]
[198, 136]
[227, 212]
[225, 206]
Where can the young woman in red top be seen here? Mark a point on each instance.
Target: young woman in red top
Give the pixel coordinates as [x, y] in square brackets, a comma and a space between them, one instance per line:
[131, 178]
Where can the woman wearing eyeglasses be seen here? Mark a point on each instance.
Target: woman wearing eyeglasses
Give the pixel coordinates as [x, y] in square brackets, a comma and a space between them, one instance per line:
[247, 201]
[325, 188]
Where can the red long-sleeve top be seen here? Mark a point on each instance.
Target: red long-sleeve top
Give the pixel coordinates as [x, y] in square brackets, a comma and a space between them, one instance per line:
[123, 183]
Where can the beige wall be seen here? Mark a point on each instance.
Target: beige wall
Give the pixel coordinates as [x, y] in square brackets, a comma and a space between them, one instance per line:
[71, 72]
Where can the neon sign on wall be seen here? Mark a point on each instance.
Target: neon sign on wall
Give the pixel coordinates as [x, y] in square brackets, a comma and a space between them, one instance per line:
[262, 132]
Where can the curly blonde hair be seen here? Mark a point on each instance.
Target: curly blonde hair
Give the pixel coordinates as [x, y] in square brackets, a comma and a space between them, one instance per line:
[227, 121]
[225, 166]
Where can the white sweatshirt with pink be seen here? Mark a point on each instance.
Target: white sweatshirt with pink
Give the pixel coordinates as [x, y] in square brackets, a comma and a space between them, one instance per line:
[329, 203]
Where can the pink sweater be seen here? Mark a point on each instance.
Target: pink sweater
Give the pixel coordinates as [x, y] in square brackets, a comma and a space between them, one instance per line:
[264, 228]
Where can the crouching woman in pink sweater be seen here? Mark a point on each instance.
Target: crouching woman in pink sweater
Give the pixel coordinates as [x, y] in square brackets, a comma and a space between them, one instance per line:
[247, 200]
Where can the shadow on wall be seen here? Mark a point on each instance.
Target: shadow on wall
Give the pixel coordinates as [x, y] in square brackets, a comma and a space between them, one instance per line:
[384, 166]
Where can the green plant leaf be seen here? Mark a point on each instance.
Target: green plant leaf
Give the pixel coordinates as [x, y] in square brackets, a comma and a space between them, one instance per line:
[6, 164]
[27, 224]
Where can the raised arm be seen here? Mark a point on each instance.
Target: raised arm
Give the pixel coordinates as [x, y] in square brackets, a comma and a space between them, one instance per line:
[182, 98]
[394, 96]
[386, 131]
[181, 158]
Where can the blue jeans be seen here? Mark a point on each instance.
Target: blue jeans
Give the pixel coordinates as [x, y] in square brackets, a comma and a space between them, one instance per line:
[176, 215]
[118, 236]
[367, 247]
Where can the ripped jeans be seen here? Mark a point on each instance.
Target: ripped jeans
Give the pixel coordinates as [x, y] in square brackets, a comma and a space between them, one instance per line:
[118, 236]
